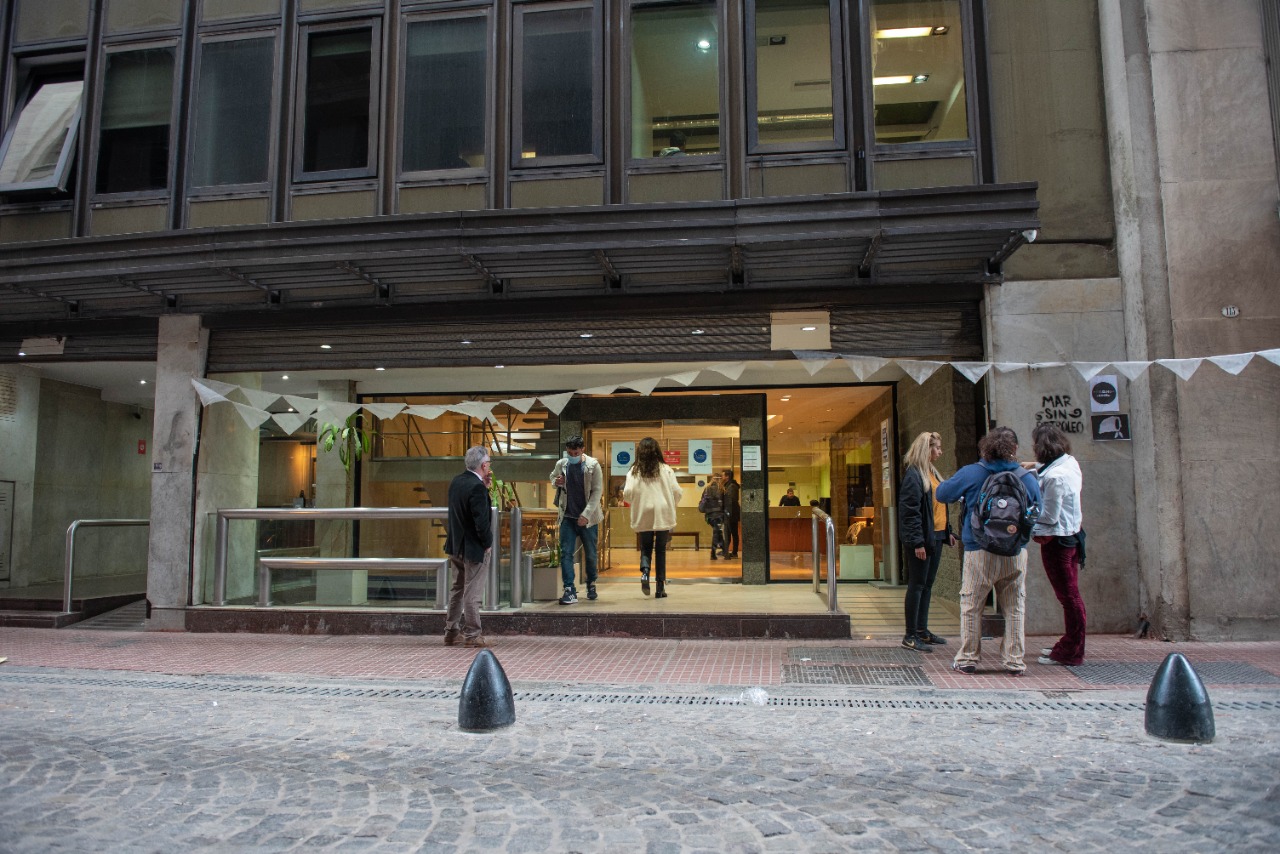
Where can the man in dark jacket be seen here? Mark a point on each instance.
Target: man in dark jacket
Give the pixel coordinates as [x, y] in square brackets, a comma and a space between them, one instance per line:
[984, 570]
[469, 544]
[732, 512]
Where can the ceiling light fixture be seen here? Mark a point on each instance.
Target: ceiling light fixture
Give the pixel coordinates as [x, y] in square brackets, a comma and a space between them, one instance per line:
[704, 45]
[698, 332]
[326, 346]
[911, 32]
[142, 382]
[920, 78]
[499, 367]
[284, 376]
[379, 369]
[808, 328]
[585, 335]
[464, 341]
[892, 81]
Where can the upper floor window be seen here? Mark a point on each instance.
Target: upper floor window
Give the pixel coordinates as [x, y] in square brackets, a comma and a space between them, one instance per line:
[134, 131]
[339, 84]
[918, 71]
[38, 152]
[231, 138]
[557, 93]
[445, 102]
[675, 80]
[795, 104]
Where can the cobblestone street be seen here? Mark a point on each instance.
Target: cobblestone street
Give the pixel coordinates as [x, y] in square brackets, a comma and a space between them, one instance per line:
[97, 760]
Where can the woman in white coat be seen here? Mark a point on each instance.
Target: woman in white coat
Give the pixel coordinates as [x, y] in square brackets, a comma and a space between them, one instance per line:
[654, 494]
[1058, 531]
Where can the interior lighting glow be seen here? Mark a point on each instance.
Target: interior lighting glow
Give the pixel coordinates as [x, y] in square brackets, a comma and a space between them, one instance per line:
[585, 335]
[499, 367]
[326, 346]
[698, 332]
[704, 45]
[808, 328]
[379, 369]
[284, 376]
[896, 80]
[906, 32]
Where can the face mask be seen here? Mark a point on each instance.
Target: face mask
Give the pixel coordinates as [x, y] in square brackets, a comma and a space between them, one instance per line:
[573, 461]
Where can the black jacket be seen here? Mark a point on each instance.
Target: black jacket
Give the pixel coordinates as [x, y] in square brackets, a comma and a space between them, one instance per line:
[469, 531]
[915, 513]
[732, 509]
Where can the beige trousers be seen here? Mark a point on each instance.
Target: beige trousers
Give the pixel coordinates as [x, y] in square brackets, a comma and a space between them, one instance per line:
[1008, 575]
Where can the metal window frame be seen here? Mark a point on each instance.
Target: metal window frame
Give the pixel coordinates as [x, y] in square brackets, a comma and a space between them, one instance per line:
[519, 11]
[33, 73]
[100, 91]
[305, 33]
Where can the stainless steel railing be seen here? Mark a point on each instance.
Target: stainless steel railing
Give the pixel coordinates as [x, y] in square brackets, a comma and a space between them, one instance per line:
[71, 548]
[819, 515]
[354, 513]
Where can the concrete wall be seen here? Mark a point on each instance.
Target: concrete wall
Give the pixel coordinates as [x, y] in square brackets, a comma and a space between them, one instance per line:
[18, 431]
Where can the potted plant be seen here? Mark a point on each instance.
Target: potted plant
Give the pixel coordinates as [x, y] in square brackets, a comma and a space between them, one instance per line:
[351, 439]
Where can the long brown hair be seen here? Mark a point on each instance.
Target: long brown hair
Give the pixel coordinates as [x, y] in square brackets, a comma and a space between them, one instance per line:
[1049, 442]
[648, 458]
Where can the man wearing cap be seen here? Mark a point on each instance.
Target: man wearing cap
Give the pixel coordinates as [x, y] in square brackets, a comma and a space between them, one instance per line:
[579, 483]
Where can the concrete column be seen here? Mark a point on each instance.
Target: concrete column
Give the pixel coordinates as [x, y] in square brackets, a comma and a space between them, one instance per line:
[335, 487]
[181, 348]
[1142, 247]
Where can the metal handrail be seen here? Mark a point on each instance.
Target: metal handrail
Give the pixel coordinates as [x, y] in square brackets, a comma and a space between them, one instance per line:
[324, 513]
[71, 548]
[818, 514]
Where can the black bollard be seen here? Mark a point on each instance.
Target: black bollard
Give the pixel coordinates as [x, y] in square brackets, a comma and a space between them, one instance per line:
[486, 701]
[1178, 707]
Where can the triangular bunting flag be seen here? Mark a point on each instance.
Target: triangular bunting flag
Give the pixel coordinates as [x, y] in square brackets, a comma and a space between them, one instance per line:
[427, 411]
[1132, 370]
[645, 387]
[258, 398]
[684, 379]
[1272, 356]
[864, 366]
[556, 402]
[521, 404]
[972, 371]
[1232, 364]
[919, 370]
[207, 394]
[1184, 368]
[384, 410]
[812, 366]
[478, 409]
[1009, 367]
[732, 370]
[303, 405]
[600, 389]
[335, 411]
[221, 388]
[253, 417]
[289, 421]
[1089, 370]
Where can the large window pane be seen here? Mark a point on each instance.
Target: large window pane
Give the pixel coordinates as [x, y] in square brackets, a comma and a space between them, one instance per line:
[917, 56]
[675, 80]
[232, 136]
[337, 111]
[557, 94]
[794, 100]
[133, 148]
[38, 149]
[444, 95]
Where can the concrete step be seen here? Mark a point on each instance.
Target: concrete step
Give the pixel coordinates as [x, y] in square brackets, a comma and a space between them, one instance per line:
[37, 619]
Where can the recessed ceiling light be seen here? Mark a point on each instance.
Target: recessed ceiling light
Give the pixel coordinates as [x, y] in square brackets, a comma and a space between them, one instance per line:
[585, 335]
[908, 32]
[499, 366]
[464, 341]
[697, 332]
[284, 376]
[891, 81]
[142, 382]
[704, 45]
[379, 369]
[326, 346]
[808, 328]
[920, 78]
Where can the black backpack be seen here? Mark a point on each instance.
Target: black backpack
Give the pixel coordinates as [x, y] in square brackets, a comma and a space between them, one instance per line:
[1002, 519]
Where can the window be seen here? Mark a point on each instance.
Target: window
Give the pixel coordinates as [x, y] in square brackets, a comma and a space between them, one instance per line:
[797, 107]
[557, 96]
[337, 137]
[918, 70]
[230, 143]
[39, 149]
[444, 94]
[133, 143]
[675, 80]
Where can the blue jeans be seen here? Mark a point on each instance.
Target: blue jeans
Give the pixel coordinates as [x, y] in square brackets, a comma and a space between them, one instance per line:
[570, 533]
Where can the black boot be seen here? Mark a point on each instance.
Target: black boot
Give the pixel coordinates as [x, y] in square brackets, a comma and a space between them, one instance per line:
[661, 592]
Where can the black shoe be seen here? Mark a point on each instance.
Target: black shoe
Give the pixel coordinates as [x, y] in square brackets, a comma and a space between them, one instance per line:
[964, 668]
[713, 555]
[929, 637]
[913, 642]
[569, 597]
[661, 593]
[591, 592]
[644, 583]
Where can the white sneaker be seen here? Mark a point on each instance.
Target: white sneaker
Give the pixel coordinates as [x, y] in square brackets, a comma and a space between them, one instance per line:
[1044, 659]
[1046, 651]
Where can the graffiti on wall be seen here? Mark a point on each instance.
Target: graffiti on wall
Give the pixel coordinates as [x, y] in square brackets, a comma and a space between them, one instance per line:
[1059, 410]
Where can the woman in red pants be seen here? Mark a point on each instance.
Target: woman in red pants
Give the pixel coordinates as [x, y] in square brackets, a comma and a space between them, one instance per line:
[1058, 531]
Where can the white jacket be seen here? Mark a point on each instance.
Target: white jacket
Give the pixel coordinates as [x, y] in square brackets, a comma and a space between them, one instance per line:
[653, 501]
[1061, 514]
[592, 482]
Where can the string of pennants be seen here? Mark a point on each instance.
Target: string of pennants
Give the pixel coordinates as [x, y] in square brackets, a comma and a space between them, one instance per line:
[252, 404]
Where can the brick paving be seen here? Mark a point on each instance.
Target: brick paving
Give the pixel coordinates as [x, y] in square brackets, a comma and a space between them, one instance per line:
[142, 742]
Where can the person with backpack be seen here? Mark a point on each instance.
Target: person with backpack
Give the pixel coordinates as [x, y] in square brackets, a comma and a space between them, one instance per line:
[1001, 505]
[711, 506]
[1058, 531]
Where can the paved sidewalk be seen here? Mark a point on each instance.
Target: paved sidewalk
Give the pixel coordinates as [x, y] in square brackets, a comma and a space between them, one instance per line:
[147, 742]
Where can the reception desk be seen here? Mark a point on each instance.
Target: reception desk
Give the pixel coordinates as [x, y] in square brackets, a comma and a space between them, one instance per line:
[790, 529]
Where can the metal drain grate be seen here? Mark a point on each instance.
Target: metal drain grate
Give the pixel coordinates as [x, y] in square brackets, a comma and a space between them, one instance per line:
[850, 655]
[733, 697]
[1141, 673]
[854, 674]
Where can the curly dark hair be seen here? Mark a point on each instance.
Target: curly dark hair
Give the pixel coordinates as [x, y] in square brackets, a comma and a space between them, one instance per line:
[1000, 444]
[648, 458]
[1049, 442]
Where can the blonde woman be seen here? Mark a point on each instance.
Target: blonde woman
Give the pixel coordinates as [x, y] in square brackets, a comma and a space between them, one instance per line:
[654, 494]
[923, 528]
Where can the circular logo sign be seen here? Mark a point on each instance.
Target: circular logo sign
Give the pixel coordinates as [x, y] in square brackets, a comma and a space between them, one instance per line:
[623, 458]
[1104, 393]
[700, 455]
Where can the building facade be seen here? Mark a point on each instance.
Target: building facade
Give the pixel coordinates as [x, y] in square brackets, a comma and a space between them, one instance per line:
[386, 200]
